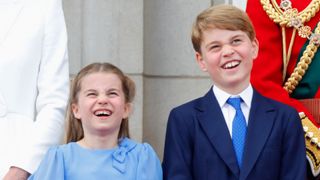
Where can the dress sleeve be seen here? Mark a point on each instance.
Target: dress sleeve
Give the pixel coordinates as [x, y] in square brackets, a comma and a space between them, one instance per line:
[149, 166]
[51, 167]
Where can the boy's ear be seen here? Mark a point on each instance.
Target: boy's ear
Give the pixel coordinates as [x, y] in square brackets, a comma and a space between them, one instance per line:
[255, 48]
[201, 62]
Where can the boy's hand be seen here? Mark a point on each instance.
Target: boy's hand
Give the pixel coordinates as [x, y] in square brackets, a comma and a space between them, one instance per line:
[16, 173]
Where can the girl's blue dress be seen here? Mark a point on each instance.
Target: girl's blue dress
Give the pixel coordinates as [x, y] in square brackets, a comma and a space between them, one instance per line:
[129, 161]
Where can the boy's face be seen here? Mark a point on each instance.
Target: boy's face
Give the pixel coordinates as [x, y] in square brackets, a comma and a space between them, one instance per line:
[227, 56]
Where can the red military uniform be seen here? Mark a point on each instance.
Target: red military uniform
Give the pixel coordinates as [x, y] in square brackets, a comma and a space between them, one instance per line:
[267, 73]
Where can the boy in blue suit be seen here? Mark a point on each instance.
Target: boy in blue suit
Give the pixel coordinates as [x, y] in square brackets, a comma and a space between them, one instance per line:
[232, 132]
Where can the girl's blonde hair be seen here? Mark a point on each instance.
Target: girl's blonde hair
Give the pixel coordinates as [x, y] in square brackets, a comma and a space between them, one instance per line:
[74, 125]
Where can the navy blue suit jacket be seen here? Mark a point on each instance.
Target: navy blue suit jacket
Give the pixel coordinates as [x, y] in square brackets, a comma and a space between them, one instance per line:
[198, 145]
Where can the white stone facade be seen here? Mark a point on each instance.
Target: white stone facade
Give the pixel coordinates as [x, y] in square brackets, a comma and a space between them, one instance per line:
[149, 40]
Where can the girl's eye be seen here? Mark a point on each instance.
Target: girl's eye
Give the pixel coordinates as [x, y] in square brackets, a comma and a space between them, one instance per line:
[91, 94]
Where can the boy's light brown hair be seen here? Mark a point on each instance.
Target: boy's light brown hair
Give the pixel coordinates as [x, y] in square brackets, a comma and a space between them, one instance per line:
[220, 17]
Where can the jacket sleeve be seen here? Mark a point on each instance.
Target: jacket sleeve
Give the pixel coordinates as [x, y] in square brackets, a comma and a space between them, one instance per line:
[53, 89]
[293, 166]
[177, 160]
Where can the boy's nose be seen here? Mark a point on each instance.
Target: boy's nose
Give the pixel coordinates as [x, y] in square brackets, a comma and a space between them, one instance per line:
[227, 50]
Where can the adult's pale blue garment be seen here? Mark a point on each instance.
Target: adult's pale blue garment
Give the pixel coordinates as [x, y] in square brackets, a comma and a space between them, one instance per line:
[129, 161]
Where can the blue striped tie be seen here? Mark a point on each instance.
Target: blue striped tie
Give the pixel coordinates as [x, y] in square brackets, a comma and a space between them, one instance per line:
[239, 128]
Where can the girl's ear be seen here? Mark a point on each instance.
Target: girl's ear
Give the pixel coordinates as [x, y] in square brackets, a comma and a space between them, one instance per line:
[127, 110]
[75, 110]
[201, 62]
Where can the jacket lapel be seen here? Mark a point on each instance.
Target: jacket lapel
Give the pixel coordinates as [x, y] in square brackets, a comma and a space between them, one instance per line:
[213, 123]
[261, 121]
[10, 11]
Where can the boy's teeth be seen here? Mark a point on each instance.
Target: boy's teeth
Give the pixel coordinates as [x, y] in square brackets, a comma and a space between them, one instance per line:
[231, 64]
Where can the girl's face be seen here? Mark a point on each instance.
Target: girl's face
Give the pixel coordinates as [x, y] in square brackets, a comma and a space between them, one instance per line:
[228, 57]
[101, 104]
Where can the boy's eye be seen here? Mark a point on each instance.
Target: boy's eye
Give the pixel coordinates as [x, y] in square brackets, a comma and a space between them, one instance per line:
[236, 41]
[214, 47]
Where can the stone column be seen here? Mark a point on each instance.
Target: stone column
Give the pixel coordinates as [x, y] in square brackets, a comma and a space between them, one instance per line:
[109, 31]
[172, 75]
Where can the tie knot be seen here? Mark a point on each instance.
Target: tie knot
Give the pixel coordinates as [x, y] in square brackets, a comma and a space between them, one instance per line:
[235, 102]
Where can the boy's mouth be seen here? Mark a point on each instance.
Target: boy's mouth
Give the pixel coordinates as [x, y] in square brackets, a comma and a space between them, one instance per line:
[230, 64]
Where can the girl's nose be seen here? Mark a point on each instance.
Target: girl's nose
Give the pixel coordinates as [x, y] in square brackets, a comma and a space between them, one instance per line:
[103, 100]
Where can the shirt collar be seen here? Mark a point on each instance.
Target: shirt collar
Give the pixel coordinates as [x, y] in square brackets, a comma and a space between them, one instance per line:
[222, 96]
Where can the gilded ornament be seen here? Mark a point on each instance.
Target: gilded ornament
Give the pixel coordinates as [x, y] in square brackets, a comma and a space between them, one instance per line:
[315, 39]
[286, 16]
[286, 4]
[295, 22]
[304, 31]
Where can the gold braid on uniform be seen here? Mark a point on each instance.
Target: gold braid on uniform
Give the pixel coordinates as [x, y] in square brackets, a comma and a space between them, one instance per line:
[288, 17]
[302, 66]
[278, 16]
[312, 135]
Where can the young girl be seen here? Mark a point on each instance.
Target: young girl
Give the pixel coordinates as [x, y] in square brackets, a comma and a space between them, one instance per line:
[97, 134]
